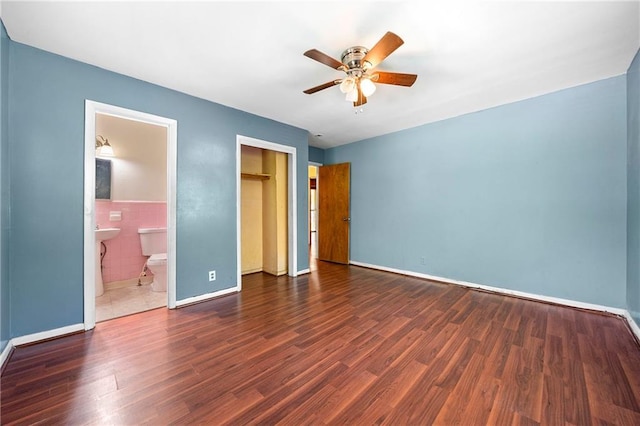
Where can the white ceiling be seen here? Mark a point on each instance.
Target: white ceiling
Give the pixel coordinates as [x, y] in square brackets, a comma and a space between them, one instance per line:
[249, 55]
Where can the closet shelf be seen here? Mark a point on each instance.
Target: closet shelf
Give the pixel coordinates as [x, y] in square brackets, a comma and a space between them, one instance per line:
[259, 176]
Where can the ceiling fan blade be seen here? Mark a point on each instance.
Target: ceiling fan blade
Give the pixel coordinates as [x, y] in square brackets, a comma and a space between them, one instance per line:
[362, 99]
[323, 58]
[399, 79]
[322, 87]
[387, 44]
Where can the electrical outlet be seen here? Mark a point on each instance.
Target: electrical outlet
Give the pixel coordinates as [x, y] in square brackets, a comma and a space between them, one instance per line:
[212, 275]
[423, 261]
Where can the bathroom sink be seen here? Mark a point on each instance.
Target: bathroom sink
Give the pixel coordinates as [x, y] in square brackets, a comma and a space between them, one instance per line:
[101, 235]
[106, 233]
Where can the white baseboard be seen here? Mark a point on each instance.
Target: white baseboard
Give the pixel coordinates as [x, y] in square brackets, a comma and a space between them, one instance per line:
[46, 335]
[633, 324]
[207, 296]
[4, 356]
[559, 301]
[304, 271]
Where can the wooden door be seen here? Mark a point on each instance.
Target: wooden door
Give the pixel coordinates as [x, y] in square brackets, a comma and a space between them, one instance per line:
[333, 213]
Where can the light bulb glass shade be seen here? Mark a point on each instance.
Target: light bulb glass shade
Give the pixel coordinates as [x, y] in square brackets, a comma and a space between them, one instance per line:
[367, 87]
[105, 151]
[352, 96]
[347, 85]
[103, 148]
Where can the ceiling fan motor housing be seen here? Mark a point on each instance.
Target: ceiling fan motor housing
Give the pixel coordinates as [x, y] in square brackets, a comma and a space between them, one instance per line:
[352, 58]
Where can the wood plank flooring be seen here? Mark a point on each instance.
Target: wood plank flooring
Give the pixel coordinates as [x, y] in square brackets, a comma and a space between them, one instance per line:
[343, 345]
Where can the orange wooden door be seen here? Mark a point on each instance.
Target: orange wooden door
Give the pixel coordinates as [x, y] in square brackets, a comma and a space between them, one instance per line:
[333, 212]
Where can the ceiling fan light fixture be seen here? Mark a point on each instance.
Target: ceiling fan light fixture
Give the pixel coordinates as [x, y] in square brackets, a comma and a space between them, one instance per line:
[352, 96]
[367, 87]
[347, 85]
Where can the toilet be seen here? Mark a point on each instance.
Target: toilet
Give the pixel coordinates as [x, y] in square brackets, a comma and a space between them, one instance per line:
[154, 245]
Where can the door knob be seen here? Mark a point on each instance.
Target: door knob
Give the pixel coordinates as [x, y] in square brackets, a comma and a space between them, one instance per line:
[346, 219]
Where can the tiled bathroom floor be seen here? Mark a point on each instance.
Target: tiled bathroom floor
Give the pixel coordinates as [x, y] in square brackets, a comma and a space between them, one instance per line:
[123, 301]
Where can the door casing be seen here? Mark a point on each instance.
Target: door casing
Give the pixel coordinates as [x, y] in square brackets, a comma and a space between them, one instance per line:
[292, 215]
[91, 109]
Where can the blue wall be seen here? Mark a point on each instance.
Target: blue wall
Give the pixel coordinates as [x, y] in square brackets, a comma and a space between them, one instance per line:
[316, 155]
[633, 188]
[46, 104]
[5, 330]
[529, 196]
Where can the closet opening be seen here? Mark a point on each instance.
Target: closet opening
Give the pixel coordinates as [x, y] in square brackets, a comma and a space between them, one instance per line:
[266, 190]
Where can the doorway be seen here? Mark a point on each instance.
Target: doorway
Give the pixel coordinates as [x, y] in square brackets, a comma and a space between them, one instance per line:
[313, 214]
[263, 211]
[92, 111]
[288, 169]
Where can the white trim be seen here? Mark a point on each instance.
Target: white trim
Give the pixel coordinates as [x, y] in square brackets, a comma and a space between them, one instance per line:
[46, 335]
[89, 215]
[292, 209]
[632, 324]
[91, 109]
[207, 296]
[292, 219]
[566, 302]
[313, 163]
[6, 352]
[238, 214]
[304, 271]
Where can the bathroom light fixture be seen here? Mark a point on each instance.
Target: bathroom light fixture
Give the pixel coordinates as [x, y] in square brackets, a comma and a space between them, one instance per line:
[103, 148]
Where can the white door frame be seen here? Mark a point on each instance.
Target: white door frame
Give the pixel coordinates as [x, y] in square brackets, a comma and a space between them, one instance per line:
[292, 216]
[91, 109]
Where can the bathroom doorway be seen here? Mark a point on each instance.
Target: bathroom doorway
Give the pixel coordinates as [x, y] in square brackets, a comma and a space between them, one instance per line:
[266, 189]
[133, 189]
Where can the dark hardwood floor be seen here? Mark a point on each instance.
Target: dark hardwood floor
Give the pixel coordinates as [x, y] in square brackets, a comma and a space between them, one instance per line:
[343, 345]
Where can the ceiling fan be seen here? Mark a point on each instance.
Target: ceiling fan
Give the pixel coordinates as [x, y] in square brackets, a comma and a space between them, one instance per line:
[358, 63]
